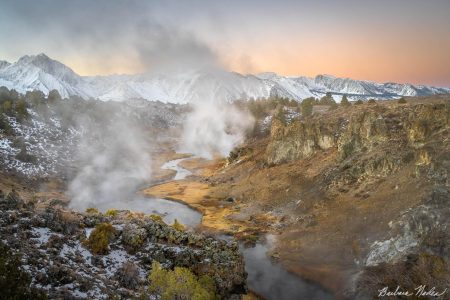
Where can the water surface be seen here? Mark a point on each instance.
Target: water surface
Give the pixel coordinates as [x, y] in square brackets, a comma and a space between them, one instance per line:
[270, 280]
[167, 209]
[173, 165]
[265, 277]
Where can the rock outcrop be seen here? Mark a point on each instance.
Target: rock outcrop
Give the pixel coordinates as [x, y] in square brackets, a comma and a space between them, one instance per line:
[361, 189]
[372, 141]
[299, 140]
[55, 246]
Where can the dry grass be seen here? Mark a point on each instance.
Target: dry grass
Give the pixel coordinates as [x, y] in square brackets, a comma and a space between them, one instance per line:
[326, 228]
[421, 269]
[199, 196]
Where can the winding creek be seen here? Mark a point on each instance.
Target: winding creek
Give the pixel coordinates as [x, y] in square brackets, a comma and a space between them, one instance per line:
[272, 281]
[169, 210]
[265, 277]
[181, 173]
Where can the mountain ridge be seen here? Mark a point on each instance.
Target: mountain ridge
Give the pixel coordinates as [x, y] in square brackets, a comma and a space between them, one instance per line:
[40, 72]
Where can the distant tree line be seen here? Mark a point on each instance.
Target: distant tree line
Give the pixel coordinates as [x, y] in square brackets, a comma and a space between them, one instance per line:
[275, 106]
[71, 112]
[263, 107]
[17, 106]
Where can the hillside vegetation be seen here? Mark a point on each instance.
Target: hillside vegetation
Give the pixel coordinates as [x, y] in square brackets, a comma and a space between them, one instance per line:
[356, 193]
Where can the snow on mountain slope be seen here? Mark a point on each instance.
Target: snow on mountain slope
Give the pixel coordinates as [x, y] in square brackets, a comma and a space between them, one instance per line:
[179, 88]
[3, 64]
[46, 142]
[39, 72]
[43, 73]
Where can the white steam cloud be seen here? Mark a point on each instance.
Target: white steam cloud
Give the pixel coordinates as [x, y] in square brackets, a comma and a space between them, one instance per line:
[214, 128]
[113, 155]
[113, 160]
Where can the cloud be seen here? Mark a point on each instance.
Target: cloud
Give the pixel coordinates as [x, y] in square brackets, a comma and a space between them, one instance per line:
[166, 49]
[99, 34]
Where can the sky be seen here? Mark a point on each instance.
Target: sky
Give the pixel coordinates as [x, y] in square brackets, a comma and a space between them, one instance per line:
[405, 41]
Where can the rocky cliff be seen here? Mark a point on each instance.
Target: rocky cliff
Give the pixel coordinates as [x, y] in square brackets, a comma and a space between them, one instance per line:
[356, 193]
[364, 156]
[360, 130]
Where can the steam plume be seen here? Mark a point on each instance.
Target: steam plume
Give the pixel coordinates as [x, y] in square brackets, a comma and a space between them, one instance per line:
[214, 128]
[112, 160]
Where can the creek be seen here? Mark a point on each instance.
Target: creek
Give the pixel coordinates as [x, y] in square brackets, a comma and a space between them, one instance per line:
[266, 277]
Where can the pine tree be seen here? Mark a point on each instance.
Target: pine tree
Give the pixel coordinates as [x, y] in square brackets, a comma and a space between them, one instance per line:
[6, 107]
[21, 109]
[307, 106]
[53, 96]
[344, 101]
[280, 115]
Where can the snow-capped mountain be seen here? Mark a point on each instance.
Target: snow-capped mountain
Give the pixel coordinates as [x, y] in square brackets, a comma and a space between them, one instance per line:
[40, 72]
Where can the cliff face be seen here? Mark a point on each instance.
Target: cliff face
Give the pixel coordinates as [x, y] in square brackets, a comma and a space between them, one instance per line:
[356, 190]
[388, 167]
[370, 141]
[299, 140]
[360, 130]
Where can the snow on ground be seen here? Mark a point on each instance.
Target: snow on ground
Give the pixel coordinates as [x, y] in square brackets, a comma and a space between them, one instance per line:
[47, 145]
[42, 234]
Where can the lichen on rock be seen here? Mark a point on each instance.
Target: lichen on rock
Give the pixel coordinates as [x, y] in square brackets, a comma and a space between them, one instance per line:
[93, 256]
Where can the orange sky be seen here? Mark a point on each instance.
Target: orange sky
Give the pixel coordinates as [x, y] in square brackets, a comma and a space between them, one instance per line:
[405, 41]
[391, 61]
[417, 63]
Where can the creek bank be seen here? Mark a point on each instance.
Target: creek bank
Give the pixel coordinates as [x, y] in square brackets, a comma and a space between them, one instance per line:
[266, 277]
[270, 280]
[168, 210]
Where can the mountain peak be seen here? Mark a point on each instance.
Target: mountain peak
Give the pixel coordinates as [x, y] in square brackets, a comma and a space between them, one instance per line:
[41, 57]
[267, 75]
[325, 76]
[41, 72]
[49, 66]
[39, 60]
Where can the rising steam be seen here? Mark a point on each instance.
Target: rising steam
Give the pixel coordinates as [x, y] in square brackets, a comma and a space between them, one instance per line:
[112, 156]
[112, 161]
[214, 128]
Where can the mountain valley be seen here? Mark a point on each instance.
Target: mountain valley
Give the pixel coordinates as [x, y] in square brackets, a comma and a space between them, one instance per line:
[343, 197]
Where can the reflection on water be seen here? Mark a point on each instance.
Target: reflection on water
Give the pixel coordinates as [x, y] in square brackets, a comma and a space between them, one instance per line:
[271, 281]
[173, 165]
[169, 210]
